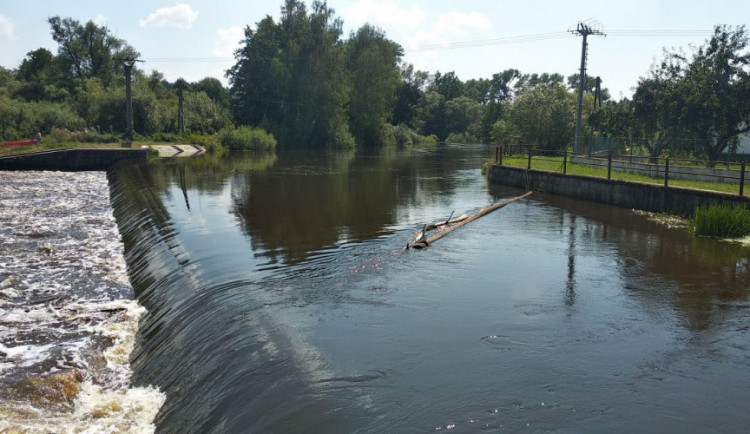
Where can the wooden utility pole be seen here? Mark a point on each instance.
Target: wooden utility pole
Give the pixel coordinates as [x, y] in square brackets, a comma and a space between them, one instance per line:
[127, 64]
[582, 30]
[180, 107]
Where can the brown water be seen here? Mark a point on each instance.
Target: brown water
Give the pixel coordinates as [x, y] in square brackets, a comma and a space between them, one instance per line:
[279, 300]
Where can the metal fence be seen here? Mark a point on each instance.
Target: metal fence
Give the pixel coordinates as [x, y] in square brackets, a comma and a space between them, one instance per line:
[659, 169]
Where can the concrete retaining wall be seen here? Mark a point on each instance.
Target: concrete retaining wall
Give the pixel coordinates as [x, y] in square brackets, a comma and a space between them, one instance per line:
[657, 170]
[71, 160]
[635, 195]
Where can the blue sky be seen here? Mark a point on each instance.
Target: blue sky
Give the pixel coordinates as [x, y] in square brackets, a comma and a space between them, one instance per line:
[194, 39]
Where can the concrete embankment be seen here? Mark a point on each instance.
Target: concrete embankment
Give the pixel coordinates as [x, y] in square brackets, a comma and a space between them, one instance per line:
[636, 195]
[71, 160]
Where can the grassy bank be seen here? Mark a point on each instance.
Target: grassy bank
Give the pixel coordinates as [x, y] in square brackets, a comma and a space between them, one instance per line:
[555, 164]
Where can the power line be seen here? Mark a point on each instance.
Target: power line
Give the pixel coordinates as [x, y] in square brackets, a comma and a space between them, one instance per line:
[537, 37]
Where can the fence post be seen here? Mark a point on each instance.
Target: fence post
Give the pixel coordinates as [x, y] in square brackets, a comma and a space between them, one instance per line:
[565, 162]
[742, 178]
[529, 165]
[609, 166]
[502, 151]
[666, 172]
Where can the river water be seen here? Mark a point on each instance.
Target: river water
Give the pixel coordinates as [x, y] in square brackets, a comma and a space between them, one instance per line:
[278, 298]
[67, 312]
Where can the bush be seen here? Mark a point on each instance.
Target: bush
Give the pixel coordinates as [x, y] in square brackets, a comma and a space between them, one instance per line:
[722, 220]
[246, 138]
[462, 138]
[405, 136]
[166, 137]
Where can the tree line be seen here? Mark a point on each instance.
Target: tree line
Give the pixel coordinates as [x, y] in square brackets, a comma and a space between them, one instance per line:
[300, 80]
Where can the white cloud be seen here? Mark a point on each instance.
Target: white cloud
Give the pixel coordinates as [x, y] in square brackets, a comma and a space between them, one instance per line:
[383, 13]
[228, 40]
[100, 20]
[180, 16]
[461, 24]
[449, 27]
[6, 27]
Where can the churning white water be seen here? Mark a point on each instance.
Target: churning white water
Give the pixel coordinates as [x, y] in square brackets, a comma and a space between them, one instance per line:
[68, 318]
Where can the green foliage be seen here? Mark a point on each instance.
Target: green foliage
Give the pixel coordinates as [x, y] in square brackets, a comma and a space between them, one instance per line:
[203, 114]
[87, 50]
[21, 120]
[463, 117]
[373, 62]
[290, 77]
[542, 116]
[408, 96]
[701, 99]
[462, 138]
[405, 137]
[722, 220]
[246, 138]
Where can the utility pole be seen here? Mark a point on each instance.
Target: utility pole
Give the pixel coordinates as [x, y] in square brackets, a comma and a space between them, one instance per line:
[180, 107]
[128, 63]
[582, 30]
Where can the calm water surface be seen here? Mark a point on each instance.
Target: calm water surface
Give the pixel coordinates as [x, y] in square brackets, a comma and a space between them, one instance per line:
[279, 300]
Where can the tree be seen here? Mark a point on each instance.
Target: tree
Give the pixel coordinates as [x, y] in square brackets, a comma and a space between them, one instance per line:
[290, 79]
[531, 81]
[373, 63]
[656, 114]
[542, 116]
[448, 85]
[88, 50]
[589, 85]
[408, 96]
[214, 89]
[714, 90]
[39, 70]
[462, 116]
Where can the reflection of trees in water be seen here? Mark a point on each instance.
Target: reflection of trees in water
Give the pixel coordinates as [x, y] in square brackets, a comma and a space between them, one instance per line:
[664, 266]
[312, 201]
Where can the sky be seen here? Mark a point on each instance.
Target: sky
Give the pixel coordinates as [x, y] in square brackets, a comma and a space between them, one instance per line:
[193, 39]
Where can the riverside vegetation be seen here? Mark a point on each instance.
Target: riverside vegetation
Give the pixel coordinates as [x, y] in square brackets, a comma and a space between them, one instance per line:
[303, 82]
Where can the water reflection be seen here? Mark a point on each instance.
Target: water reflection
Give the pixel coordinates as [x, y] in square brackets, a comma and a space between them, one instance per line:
[663, 267]
[277, 284]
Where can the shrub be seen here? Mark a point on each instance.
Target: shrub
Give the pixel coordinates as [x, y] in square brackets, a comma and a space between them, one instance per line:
[405, 136]
[462, 138]
[721, 220]
[339, 136]
[166, 137]
[246, 138]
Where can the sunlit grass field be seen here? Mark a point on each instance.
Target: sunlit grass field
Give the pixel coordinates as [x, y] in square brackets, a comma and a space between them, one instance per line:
[555, 164]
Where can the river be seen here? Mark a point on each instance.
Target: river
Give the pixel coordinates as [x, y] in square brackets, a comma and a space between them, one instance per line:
[278, 298]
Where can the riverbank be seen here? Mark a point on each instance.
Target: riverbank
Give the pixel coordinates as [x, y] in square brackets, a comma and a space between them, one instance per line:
[633, 195]
[69, 314]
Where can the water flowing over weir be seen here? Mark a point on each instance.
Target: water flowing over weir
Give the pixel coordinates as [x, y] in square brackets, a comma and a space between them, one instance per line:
[67, 314]
[279, 300]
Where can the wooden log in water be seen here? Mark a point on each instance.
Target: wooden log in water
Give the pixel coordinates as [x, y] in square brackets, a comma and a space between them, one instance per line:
[422, 243]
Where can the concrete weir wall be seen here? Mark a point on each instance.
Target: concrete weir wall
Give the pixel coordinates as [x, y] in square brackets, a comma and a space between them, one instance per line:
[635, 195]
[71, 160]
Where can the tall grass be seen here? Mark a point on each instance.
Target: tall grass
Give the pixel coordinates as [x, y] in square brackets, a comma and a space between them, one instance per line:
[722, 220]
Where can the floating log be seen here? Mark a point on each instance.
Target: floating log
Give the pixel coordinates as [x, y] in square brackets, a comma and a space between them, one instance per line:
[423, 241]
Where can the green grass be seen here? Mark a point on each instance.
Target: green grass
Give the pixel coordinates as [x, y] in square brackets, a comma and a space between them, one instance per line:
[722, 220]
[555, 164]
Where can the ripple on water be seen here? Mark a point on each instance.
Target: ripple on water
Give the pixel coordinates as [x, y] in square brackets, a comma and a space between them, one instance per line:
[67, 314]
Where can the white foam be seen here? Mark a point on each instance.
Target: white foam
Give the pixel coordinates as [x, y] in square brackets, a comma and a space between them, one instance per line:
[63, 288]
